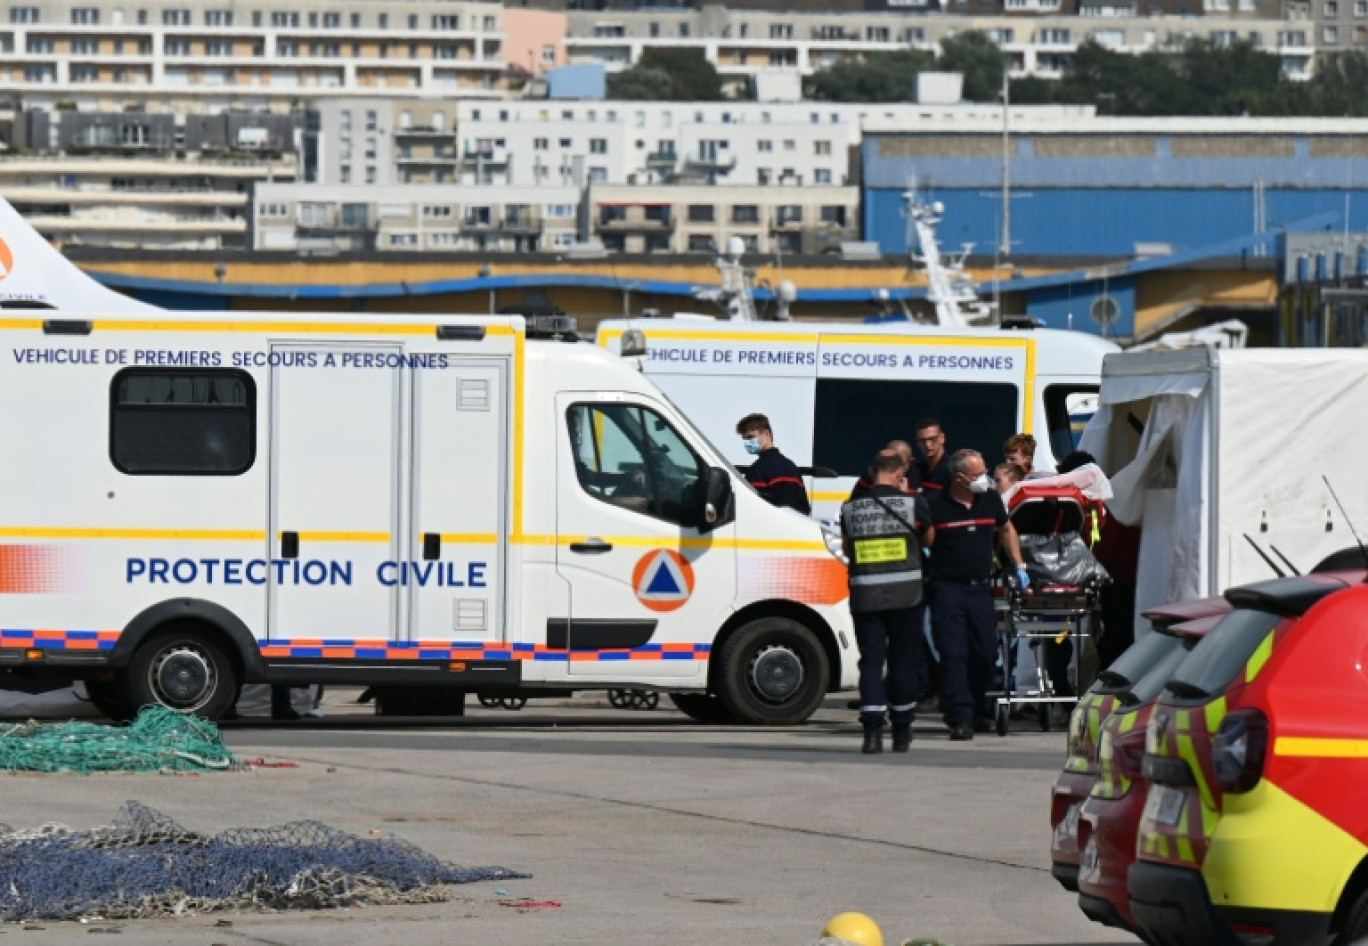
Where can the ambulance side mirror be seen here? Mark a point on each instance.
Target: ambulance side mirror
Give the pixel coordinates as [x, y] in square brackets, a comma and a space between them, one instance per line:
[719, 505]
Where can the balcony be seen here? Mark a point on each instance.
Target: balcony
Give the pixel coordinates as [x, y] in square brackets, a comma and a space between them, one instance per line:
[486, 155]
[662, 160]
[425, 132]
[522, 222]
[635, 218]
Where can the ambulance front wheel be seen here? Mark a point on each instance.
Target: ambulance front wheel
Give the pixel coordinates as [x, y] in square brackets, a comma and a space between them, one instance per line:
[183, 670]
[772, 672]
[1355, 929]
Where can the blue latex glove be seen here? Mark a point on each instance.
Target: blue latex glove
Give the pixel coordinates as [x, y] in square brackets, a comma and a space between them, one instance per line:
[1023, 578]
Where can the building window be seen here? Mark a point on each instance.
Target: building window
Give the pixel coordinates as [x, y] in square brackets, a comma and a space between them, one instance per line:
[370, 175]
[1330, 34]
[372, 119]
[833, 213]
[332, 21]
[700, 243]
[177, 47]
[446, 21]
[344, 175]
[169, 421]
[566, 143]
[218, 17]
[876, 34]
[745, 213]
[1331, 9]
[85, 74]
[491, 24]
[763, 175]
[284, 18]
[218, 47]
[23, 15]
[821, 176]
[781, 31]
[683, 31]
[81, 47]
[85, 16]
[598, 145]
[701, 213]
[764, 145]
[540, 144]
[272, 211]
[403, 239]
[175, 18]
[822, 149]
[655, 30]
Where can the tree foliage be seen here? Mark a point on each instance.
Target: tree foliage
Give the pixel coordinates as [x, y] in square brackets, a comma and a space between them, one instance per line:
[979, 59]
[670, 75]
[875, 77]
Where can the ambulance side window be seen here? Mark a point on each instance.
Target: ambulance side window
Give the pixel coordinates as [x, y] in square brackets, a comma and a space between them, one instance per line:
[854, 418]
[188, 422]
[630, 456]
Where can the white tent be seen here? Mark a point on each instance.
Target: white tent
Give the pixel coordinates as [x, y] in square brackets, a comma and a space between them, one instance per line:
[1207, 446]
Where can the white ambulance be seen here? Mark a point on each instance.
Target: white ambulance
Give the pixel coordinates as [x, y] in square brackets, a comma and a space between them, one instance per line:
[835, 394]
[195, 500]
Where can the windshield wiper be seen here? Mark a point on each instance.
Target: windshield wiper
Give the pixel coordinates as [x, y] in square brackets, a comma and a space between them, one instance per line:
[1186, 690]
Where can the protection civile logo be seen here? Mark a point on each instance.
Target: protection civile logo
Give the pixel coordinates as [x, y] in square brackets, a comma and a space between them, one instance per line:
[663, 580]
[6, 259]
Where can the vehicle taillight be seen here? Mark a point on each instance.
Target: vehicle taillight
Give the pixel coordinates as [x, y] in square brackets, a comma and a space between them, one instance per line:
[1239, 749]
[1129, 751]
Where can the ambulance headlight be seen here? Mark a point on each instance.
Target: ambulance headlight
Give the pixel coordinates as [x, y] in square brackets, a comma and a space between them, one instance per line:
[632, 344]
[832, 536]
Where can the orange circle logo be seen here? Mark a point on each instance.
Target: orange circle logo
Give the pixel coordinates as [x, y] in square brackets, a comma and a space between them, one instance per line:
[663, 580]
[6, 259]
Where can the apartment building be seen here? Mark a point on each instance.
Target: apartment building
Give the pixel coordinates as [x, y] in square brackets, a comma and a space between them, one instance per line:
[692, 218]
[579, 143]
[218, 55]
[147, 202]
[324, 220]
[741, 44]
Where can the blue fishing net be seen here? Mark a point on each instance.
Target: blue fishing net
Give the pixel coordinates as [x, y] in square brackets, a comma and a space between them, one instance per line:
[144, 864]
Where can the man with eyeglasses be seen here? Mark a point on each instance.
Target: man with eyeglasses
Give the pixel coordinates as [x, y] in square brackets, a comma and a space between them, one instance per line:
[933, 467]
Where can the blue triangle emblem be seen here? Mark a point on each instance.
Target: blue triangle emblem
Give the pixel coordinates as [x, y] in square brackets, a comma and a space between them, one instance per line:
[663, 581]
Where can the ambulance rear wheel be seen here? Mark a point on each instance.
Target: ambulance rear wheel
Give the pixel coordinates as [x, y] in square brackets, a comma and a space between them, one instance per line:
[703, 708]
[111, 698]
[772, 672]
[185, 671]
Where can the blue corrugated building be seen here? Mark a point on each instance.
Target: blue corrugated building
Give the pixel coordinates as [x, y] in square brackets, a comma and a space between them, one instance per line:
[1099, 187]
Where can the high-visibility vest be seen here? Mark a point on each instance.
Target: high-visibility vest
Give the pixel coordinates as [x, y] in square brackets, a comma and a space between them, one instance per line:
[885, 555]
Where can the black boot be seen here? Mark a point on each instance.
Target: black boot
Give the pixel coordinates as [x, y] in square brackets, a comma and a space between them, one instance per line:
[902, 737]
[873, 738]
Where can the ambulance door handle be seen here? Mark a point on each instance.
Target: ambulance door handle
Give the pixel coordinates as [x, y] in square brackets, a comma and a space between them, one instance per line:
[289, 545]
[592, 546]
[432, 546]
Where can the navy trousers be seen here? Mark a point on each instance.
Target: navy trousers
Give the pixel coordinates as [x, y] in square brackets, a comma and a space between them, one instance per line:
[964, 623]
[888, 639]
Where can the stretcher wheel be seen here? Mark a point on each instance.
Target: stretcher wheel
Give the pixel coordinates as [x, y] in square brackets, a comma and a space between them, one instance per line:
[514, 703]
[489, 702]
[1004, 718]
[1043, 714]
[649, 700]
[620, 699]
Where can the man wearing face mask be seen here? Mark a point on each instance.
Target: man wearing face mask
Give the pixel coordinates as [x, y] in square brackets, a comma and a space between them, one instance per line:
[967, 517]
[773, 475]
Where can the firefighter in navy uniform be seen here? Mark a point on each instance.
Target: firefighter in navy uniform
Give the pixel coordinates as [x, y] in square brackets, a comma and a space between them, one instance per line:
[773, 475]
[882, 531]
[966, 517]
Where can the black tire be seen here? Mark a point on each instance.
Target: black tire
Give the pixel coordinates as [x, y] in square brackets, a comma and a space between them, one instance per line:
[1044, 711]
[1004, 718]
[183, 670]
[1355, 929]
[111, 698]
[772, 672]
[703, 708]
[620, 699]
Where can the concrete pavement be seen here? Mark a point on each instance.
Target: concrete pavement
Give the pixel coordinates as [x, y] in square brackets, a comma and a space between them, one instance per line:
[642, 825]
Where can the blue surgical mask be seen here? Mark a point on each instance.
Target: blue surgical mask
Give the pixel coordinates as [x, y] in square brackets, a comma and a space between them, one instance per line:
[752, 445]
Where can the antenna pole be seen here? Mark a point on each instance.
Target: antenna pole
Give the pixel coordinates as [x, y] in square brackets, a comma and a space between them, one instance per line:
[1006, 248]
[1352, 530]
[1264, 555]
